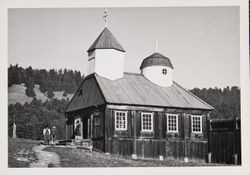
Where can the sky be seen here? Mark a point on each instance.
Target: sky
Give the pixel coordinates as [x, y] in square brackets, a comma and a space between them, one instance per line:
[203, 43]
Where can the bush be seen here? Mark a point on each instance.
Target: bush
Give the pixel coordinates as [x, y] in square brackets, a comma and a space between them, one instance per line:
[65, 94]
[50, 94]
[30, 92]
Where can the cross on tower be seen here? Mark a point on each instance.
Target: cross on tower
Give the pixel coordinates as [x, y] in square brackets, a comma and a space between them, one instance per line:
[105, 17]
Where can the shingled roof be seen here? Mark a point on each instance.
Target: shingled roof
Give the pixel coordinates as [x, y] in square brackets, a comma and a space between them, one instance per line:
[134, 89]
[106, 40]
[156, 59]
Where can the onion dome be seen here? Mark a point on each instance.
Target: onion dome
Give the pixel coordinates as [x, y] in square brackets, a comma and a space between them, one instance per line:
[156, 59]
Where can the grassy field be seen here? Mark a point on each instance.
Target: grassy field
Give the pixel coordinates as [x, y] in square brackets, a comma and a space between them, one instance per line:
[20, 152]
[72, 157]
[16, 93]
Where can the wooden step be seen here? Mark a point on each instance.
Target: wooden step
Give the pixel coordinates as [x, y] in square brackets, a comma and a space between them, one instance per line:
[84, 143]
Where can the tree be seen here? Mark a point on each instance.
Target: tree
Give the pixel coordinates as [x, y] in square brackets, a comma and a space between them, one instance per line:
[29, 72]
[14, 75]
[43, 86]
[65, 94]
[50, 93]
[30, 84]
[226, 102]
[30, 92]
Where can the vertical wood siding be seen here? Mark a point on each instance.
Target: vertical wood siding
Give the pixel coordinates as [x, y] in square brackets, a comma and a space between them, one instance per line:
[187, 125]
[148, 148]
[125, 143]
[172, 148]
[70, 128]
[225, 142]
[121, 146]
[98, 129]
[99, 144]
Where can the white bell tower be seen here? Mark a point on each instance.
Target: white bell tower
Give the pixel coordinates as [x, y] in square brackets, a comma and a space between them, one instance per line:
[106, 55]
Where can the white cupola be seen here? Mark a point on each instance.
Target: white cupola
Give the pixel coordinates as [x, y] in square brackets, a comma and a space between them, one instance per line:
[106, 56]
[158, 69]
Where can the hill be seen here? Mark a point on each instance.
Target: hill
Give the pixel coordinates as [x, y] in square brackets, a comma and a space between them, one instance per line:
[17, 94]
[38, 97]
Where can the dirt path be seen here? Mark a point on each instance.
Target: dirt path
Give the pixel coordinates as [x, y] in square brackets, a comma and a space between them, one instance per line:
[45, 158]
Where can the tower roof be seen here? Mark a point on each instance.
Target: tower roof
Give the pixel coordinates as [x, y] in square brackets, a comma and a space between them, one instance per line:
[106, 40]
[156, 59]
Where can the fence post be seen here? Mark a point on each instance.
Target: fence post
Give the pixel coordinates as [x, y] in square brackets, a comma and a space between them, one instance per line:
[236, 159]
[14, 130]
[209, 157]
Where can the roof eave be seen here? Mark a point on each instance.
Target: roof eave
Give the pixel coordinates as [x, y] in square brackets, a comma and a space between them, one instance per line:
[156, 106]
[92, 49]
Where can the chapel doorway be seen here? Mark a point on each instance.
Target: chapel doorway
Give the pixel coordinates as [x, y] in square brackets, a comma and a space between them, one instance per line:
[78, 128]
[85, 127]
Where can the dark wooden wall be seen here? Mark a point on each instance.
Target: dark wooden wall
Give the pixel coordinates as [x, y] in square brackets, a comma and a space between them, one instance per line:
[70, 127]
[194, 150]
[152, 148]
[159, 142]
[98, 130]
[225, 141]
[184, 125]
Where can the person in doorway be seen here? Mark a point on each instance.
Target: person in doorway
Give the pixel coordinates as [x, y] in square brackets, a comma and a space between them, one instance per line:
[53, 134]
[78, 129]
[46, 135]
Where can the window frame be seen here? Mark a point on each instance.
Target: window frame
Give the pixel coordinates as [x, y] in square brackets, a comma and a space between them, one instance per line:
[126, 121]
[177, 118]
[164, 71]
[192, 120]
[152, 122]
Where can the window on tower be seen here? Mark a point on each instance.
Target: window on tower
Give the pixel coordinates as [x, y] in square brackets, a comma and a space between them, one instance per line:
[164, 71]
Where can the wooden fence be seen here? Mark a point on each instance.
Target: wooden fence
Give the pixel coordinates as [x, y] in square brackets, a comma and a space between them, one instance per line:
[225, 141]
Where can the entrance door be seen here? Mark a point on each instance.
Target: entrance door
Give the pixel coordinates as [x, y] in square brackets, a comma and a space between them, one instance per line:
[78, 128]
[86, 127]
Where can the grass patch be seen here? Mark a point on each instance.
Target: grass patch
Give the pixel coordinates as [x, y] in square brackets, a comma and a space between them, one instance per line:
[16, 93]
[72, 157]
[20, 152]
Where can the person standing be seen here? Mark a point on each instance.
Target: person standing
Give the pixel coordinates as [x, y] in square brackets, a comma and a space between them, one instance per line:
[46, 135]
[53, 134]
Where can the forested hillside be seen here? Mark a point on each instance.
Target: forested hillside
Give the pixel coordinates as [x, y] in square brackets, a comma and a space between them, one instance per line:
[226, 102]
[32, 117]
[49, 81]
